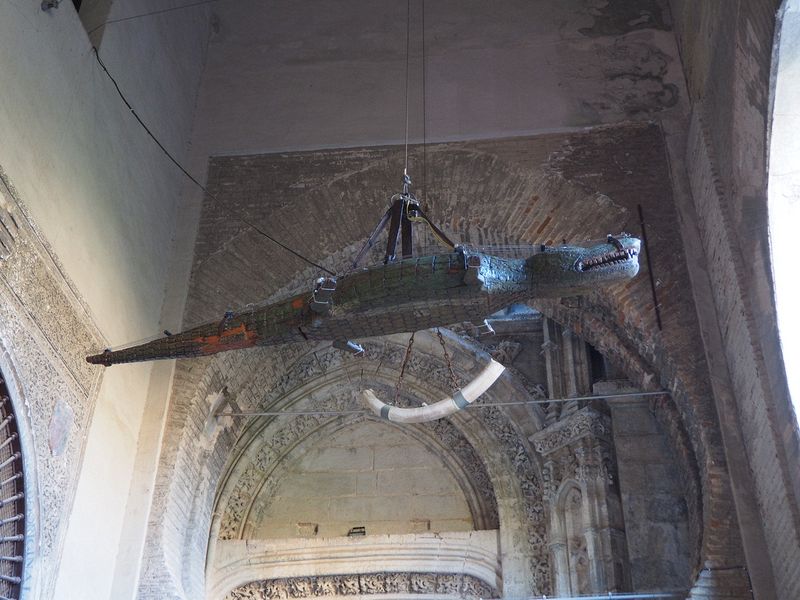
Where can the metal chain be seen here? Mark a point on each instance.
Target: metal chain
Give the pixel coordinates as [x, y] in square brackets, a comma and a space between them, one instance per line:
[453, 379]
[403, 368]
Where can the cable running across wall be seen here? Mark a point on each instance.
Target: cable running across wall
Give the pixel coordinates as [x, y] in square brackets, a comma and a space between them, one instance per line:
[192, 178]
[333, 413]
[152, 13]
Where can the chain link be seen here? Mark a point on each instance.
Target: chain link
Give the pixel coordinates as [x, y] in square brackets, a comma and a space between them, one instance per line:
[403, 368]
[453, 378]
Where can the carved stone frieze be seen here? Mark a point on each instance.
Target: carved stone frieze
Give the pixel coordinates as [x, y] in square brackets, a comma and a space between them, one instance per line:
[583, 423]
[505, 351]
[45, 331]
[455, 585]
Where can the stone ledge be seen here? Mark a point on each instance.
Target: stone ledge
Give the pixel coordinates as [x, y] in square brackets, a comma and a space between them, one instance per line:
[239, 562]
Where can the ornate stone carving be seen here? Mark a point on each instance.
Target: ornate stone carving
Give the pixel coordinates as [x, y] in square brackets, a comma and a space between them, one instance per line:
[455, 585]
[505, 352]
[45, 330]
[499, 424]
[286, 434]
[387, 354]
[585, 422]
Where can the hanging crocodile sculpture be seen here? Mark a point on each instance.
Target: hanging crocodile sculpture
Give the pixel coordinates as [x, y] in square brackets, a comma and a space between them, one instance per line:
[402, 296]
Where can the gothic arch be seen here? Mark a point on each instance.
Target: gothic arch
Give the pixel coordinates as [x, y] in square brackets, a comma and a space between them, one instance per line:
[515, 482]
[514, 471]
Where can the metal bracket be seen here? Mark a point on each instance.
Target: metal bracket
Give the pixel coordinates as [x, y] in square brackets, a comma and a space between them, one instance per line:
[321, 296]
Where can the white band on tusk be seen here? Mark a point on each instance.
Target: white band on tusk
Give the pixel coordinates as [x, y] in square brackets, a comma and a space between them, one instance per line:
[447, 406]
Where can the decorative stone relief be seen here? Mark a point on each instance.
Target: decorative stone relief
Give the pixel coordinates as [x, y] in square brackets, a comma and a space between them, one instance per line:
[455, 585]
[583, 423]
[8, 232]
[45, 332]
[505, 352]
[578, 488]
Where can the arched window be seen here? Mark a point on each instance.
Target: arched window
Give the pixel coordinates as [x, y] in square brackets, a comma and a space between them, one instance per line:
[784, 190]
[12, 500]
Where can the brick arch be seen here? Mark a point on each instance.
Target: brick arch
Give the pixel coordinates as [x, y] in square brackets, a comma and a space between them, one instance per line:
[478, 197]
[551, 201]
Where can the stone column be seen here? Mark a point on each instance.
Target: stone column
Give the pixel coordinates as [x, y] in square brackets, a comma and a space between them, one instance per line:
[577, 452]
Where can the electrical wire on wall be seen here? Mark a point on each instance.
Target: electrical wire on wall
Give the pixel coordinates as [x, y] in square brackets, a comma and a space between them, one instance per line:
[193, 179]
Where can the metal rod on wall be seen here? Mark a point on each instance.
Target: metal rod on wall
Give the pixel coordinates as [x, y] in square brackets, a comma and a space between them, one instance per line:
[649, 266]
[279, 413]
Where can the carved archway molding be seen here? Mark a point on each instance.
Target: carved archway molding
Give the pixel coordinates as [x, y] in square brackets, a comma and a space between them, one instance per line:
[513, 470]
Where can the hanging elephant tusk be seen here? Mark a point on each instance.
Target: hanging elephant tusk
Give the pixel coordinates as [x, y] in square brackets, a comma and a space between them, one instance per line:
[462, 398]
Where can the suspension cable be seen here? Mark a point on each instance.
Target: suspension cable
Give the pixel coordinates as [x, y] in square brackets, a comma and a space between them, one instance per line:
[279, 413]
[408, 54]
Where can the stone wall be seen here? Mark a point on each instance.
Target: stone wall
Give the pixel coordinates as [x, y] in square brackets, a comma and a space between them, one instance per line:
[45, 330]
[99, 193]
[368, 475]
[653, 501]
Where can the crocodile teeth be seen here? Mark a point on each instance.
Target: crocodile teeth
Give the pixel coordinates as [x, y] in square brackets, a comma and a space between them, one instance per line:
[609, 259]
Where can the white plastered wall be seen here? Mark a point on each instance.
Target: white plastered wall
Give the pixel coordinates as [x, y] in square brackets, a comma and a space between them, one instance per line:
[104, 196]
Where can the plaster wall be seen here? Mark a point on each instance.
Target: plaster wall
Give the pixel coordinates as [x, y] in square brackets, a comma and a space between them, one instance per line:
[283, 77]
[102, 195]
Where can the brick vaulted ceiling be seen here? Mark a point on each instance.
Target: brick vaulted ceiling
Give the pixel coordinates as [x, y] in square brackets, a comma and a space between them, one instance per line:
[529, 190]
[328, 82]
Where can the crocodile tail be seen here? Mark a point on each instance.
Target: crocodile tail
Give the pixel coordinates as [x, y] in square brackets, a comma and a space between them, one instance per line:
[201, 341]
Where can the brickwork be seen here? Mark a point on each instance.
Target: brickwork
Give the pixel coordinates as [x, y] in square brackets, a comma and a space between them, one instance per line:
[591, 185]
[302, 386]
[728, 54]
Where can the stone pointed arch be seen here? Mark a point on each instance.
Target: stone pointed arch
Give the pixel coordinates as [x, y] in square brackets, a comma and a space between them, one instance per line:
[513, 472]
[546, 203]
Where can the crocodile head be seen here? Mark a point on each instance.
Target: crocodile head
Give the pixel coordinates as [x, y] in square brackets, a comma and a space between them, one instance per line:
[561, 270]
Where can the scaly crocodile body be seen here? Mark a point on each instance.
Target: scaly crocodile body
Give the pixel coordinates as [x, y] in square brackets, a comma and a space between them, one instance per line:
[408, 295]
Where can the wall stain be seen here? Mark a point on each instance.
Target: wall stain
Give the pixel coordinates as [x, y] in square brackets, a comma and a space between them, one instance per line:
[618, 17]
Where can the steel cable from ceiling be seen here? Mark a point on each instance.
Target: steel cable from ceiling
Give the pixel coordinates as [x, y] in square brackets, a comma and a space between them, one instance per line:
[150, 14]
